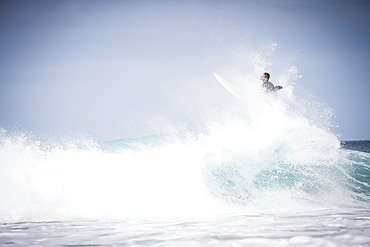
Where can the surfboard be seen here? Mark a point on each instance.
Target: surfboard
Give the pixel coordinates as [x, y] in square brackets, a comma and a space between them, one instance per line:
[229, 87]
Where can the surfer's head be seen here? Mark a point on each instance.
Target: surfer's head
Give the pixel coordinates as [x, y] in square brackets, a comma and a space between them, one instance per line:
[265, 76]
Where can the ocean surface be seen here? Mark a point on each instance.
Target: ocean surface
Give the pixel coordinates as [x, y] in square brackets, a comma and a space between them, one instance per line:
[320, 227]
[185, 189]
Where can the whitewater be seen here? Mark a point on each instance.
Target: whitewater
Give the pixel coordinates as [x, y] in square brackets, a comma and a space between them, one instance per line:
[270, 173]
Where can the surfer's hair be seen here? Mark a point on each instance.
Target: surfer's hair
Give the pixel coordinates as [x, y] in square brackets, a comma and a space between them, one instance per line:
[267, 75]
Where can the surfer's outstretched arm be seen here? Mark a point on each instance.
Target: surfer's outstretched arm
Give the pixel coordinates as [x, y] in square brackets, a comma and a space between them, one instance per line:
[277, 88]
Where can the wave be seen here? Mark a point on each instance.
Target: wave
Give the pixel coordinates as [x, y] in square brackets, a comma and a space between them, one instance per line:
[190, 172]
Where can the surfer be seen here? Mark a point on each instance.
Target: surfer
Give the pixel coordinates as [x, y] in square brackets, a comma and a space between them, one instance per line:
[267, 86]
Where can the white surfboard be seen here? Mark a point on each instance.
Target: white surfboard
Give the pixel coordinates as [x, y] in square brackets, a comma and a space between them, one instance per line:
[229, 87]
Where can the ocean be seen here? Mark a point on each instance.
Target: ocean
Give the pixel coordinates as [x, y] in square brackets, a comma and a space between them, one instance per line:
[186, 189]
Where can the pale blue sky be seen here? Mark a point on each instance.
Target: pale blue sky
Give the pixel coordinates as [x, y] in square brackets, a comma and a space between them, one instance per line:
[115, 69]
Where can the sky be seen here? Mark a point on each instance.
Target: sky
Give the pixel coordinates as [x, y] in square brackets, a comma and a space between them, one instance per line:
[116, 69]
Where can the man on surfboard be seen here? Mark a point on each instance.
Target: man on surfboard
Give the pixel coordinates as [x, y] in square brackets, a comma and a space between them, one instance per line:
[267, 86]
